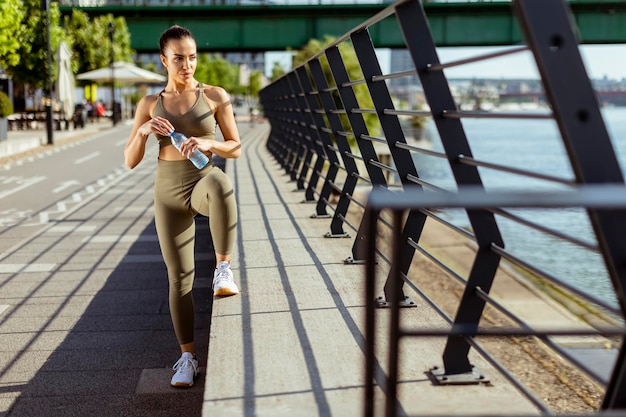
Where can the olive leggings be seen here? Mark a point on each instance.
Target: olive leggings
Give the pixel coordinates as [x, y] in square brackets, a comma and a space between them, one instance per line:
[180, 192]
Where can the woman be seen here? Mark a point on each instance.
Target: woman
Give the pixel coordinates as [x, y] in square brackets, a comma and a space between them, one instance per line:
[181, 190]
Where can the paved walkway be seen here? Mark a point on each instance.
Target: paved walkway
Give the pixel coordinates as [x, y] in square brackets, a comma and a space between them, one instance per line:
[85, 327]
[84, 320]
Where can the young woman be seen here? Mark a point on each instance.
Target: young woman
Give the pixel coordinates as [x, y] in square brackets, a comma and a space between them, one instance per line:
[181, 190]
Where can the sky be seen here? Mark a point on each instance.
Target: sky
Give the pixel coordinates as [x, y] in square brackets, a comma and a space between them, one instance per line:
[600, 61]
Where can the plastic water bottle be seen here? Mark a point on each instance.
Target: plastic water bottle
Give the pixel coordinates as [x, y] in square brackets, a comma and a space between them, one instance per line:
[197, 158]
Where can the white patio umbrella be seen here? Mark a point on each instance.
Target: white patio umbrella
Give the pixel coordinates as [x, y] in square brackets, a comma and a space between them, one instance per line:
[123, 72]
[65, 86]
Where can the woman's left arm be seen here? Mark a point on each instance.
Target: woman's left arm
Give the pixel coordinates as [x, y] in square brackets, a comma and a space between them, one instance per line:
[225, 116]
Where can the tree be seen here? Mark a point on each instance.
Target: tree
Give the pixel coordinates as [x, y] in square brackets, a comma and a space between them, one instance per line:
[215, 70]
[256, 78]
[33, 44]
[121, 37]
[90, 42]
[277, 71]
[11, 15]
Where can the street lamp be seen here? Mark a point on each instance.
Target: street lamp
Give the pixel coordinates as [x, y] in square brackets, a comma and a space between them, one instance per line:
[45, 7]
[113, 113]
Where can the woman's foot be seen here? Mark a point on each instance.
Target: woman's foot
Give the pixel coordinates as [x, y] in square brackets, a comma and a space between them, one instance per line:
[186, 371]
[223, 281]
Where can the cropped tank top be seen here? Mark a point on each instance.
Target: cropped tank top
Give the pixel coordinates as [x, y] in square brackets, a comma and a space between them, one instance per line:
[198, 121]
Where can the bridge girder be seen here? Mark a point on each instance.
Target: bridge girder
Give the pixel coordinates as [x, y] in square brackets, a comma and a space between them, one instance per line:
[280, 27]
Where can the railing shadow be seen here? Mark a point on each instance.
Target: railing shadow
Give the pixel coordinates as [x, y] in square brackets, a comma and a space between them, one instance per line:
[117, 358]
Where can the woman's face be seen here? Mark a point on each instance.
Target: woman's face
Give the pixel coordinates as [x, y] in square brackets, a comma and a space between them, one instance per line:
[180, 59]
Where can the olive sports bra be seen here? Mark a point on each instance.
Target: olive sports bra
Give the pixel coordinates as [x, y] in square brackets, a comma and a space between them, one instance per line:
[199, 121]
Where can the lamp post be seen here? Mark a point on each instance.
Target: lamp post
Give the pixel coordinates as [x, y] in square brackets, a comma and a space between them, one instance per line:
[113, 112]
[45, 7]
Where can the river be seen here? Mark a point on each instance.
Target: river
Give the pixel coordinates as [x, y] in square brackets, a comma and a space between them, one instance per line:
[533, 145]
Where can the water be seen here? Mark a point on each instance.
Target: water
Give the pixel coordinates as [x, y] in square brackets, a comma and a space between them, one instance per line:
[533, 145]
[197, 158]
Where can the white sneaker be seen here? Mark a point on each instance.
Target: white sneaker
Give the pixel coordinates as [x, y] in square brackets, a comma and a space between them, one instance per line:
[186, 370]
[223, 282]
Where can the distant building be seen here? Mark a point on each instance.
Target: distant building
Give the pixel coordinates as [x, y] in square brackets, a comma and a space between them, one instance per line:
[255, 61]
[400, 61]
[408, 87]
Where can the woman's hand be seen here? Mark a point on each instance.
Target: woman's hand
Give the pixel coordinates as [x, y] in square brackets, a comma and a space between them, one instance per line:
[193, 143]
[157, 125]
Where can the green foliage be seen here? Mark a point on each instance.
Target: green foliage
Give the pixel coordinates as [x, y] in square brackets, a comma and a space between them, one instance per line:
[11, 15]
[24, 44]
[255, 83]
[277, 71]
[418, 122]
[33, 49]
[313, 47]
[215, 70]
[6, 108]
[91, 43]
[80, 34]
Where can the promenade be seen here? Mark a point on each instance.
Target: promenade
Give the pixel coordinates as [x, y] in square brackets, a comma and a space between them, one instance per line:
[85, 327]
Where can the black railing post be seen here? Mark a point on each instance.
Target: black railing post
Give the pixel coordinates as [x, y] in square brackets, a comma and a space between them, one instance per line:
[269, 99]
[303, 154]
[371, 221]
[274, 102]
[317, 119]
[420, 43]
[340, 135]
[366, 148]
[331, 176]
[366, 54]
[578, 115]
[288, 131]
[293, 128]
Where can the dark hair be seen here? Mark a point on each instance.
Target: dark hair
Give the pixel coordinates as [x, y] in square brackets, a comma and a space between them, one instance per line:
[175, 32]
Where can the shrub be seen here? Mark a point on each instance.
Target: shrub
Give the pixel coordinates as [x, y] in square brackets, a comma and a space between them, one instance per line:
[6, 107]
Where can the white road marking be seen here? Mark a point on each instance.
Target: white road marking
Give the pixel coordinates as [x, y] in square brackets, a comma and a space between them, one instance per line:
[87, 158]
[27, 183]
[64, 185]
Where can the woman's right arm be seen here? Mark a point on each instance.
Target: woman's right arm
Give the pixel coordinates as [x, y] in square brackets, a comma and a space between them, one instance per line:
[143, 126]
[136, 146]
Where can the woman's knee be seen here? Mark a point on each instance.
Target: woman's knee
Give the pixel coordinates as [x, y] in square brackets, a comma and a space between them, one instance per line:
[214, 187]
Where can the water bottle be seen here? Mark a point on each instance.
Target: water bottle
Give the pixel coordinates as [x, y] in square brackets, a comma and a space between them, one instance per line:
[197, 158]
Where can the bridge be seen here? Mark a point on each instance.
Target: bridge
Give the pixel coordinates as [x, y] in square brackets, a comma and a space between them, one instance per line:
[267, 25]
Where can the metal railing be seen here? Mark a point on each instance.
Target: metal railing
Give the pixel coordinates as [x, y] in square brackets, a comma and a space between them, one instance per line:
[339, 151]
